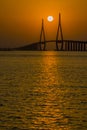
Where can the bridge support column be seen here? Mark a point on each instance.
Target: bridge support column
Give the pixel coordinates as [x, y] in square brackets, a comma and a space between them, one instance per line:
[79, 46]
[84, 48]
[59, 30]
[65, 46]
[42, 35]
[71, 46]
[76, 46]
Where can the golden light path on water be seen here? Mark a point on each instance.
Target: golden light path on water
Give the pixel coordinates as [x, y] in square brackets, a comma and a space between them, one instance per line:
[43, 90]
[50, 114]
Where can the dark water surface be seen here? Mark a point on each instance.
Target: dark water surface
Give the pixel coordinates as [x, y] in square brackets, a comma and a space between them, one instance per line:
[43, 90]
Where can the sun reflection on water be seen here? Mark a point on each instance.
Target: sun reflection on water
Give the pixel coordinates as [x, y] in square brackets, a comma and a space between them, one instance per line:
[49, 73]
[43, 91]
[49, 103]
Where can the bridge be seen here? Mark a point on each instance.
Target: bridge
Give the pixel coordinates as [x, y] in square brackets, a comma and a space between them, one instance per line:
[61, 44]
[65, 45]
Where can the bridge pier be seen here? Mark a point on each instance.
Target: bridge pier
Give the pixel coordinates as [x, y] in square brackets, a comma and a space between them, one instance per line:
[70, 46]
[65, 45]
[74, 46]
[61, 45]
[79, 46]
[42, 35]
[84, 47]
[59, 30]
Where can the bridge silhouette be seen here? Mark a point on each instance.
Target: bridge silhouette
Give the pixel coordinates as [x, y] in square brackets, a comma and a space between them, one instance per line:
[61, 44]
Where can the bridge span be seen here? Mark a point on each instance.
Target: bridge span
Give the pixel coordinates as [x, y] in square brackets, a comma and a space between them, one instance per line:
[61, 44]
[67, 45]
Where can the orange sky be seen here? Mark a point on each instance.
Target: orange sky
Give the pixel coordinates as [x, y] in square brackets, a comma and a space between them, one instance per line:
[20, 20]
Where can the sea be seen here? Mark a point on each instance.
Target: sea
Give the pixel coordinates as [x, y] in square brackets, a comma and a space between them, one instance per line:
[43, 90]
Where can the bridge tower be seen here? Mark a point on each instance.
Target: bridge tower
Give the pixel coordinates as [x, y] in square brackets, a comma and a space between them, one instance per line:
[42, 37]
[59, 33]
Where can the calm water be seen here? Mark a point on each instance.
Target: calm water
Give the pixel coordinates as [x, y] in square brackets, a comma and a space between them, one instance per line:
[43, 90]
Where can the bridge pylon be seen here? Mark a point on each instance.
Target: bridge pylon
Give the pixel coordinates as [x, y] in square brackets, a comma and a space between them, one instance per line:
[42, 37]
[59, 32]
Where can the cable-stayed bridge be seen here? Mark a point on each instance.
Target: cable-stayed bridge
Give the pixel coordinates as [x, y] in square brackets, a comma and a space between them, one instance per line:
[60, 43]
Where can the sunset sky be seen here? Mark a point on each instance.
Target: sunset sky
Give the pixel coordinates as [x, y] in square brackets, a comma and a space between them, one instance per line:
[20, 20]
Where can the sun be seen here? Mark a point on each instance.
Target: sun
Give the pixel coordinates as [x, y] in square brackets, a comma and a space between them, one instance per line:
[50, 18]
